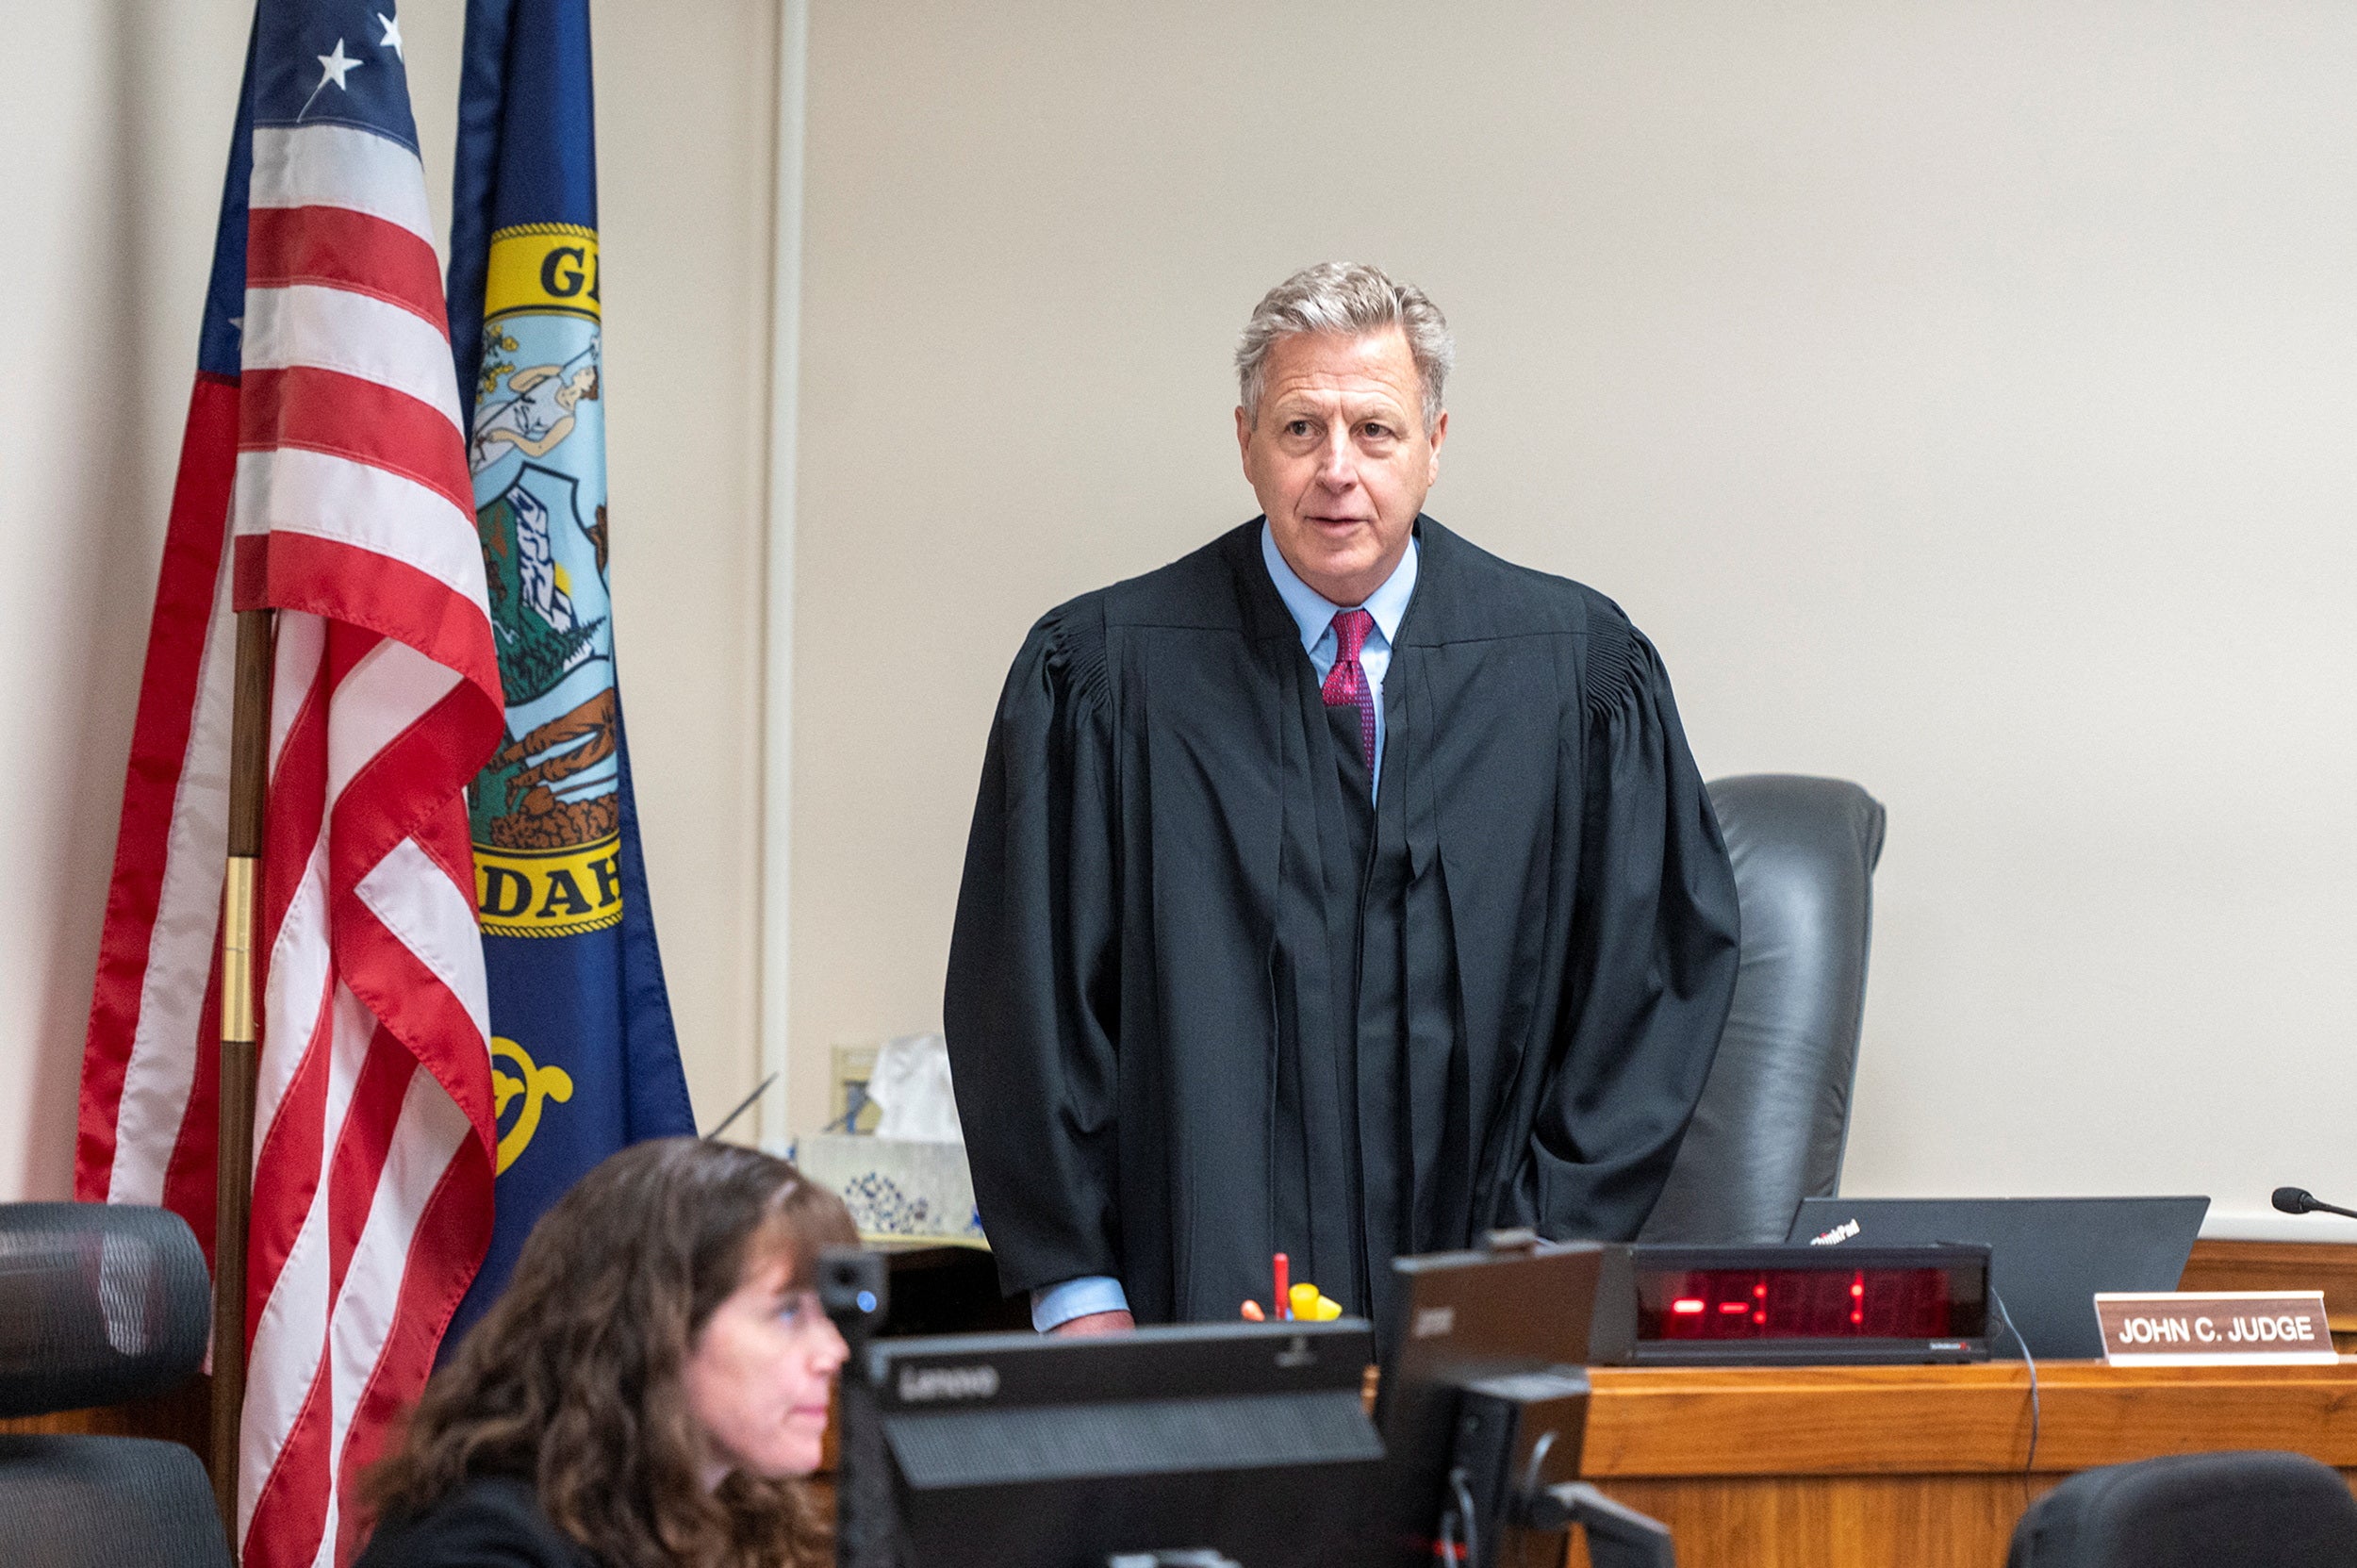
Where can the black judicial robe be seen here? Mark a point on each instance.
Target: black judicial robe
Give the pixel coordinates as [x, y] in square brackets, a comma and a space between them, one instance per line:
[1206, 1002]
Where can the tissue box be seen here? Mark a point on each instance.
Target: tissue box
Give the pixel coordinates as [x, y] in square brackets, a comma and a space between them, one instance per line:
[895, 1188]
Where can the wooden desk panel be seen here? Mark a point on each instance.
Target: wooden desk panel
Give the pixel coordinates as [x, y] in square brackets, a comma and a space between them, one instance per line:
[2224, 1265]
[1954, 1420]
[183, 1414]
[1917, 1467]
[1816, 1521]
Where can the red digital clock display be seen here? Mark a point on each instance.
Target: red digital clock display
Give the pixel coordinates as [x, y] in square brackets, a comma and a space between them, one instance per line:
[1817, 1303]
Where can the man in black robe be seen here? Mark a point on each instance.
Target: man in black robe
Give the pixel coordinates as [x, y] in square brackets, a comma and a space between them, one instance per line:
[1339, 889]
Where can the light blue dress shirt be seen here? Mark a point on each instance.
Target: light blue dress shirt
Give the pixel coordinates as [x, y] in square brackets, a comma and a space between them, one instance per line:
[1314, 613]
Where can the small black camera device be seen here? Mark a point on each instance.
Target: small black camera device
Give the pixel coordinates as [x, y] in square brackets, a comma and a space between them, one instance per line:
[853, 1289]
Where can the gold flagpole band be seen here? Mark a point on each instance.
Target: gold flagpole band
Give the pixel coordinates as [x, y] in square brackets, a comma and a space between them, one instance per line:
[236, 952]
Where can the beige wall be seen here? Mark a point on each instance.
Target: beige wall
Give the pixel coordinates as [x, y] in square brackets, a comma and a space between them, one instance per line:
[117, 117]
[684, 135]
[1961, 396]
[81, 518]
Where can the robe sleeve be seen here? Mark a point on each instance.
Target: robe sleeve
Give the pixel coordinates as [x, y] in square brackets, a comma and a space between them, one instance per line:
[1031, 998]
[1653, 961]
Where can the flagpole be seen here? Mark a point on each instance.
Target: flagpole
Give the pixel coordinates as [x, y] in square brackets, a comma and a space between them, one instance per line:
[233, 1171]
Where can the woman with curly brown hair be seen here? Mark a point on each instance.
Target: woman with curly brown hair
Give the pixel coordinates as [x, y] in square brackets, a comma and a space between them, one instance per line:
[648, 1392]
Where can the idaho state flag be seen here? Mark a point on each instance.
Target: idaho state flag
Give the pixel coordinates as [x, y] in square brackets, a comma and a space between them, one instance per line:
[583, 1059]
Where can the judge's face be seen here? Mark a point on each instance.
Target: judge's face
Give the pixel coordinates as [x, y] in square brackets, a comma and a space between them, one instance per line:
[759, 1376]
[1340, 458]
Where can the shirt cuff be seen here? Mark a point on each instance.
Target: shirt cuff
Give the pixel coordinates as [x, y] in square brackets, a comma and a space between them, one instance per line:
[1091, 1293]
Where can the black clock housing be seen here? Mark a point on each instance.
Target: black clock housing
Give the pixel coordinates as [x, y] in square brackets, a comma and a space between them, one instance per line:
[1791, 1304]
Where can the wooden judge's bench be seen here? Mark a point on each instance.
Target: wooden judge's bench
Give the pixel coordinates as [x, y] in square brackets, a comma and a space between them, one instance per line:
[1851, 1467]
[1917, 1466]
[1930, 1466]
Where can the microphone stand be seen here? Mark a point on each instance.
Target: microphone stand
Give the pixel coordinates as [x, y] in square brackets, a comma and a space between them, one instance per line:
[2299, 1200]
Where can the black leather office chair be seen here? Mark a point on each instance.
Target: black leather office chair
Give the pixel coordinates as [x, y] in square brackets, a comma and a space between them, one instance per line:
[1775, 1112]
[100, 1303]
[2193, 1510]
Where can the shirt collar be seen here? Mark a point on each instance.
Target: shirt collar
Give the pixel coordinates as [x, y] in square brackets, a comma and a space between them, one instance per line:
[1314, 614]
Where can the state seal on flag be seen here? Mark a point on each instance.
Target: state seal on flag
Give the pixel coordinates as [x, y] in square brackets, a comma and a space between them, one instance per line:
[545, 816]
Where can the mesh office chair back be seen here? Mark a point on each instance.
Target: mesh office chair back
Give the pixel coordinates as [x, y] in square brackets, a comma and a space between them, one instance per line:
[100, 1304]
[2251, 1510]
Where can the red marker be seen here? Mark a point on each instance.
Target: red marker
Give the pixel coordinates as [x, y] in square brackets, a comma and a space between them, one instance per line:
[1282, 1268]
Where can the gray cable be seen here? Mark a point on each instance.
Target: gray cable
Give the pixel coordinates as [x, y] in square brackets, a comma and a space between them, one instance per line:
[2029, 1464]
[1465, 1511]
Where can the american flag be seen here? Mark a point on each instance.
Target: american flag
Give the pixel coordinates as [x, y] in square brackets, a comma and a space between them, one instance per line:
[323, 474]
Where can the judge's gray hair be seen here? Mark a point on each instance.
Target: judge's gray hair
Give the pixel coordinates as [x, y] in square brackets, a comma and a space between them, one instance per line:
[1349, 299]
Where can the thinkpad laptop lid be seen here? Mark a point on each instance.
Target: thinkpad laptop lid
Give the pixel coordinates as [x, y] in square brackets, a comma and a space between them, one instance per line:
[2047, 1256]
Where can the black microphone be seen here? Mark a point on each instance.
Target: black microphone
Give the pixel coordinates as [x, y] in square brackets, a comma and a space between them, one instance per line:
[2299, 1200]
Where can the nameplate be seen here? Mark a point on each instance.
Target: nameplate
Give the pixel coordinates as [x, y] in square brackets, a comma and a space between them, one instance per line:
[2215, 1329]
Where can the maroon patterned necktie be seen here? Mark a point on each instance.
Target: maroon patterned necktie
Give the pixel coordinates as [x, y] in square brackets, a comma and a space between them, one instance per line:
[1346, 683]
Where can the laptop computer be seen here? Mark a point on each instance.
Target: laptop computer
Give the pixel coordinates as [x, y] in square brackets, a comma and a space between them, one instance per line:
[2047, 1256]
